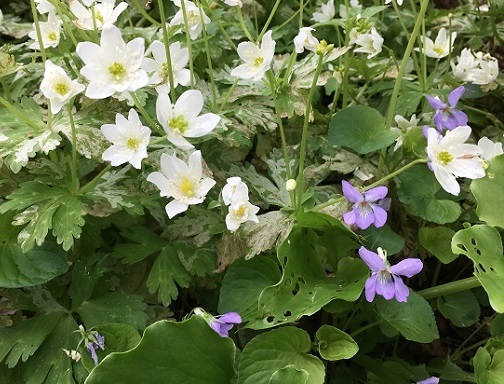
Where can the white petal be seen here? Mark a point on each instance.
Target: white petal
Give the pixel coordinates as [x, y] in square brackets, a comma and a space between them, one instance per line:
[175, 207]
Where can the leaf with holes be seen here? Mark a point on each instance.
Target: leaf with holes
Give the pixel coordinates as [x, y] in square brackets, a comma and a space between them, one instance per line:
[305, 286]
[483, 245]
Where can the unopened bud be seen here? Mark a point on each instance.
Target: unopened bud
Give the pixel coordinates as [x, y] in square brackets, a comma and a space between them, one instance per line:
[322, 48]
[290, 185]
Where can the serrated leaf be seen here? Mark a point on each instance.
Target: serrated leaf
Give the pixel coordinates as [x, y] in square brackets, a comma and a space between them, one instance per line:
[414, 319]
[186, 352]
[114, 307]
[274, 350]
[423, 196]
[360, 128]
[483, 245]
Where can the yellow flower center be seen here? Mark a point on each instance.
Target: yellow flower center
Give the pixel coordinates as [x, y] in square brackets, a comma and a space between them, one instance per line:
[52, 36]
[444, 157]
[258, 61]
[61, 89]
[132, 143]
[241, 211]
[192, 18]
[438, 50]
[187, 187]
[117, 70]
[178, 124]
[99, 17]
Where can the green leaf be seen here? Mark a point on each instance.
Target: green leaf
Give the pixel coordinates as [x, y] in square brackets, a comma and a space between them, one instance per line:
[289, 374]
[497, 326]
[489, 365]
[243, 283]
[447, 370]
[114, 307]
[421, 193]
[414, 319]
[483, 245]
[488, 192]
[462, 308]
[38, 266]
[360, 128]
[187, 352]
[305, 287]
[334, 344]
[437, 240]
[144, 243]
[166, 271]
[383, 237]
[274, 350]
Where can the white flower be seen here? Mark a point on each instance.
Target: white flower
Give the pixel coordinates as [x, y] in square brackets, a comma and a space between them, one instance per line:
[181, 120]
[158, 67]
[257, 58]
[240, 212]
[194, 18]
[370, 43]
[44, 6]
[355, 8]
[403, 127]
[50, 32]
[450, 157]
[441, 46]
[234, 3]
[104, 14]
[327, 13]
[305, 39]
[399, 2]
[181, 181]
[129, 140]
[466, 62]
[489, 148]
[73, 354]
[486, 73]
[234, 190]
[290, 185]
[58, 87]
[112, 66]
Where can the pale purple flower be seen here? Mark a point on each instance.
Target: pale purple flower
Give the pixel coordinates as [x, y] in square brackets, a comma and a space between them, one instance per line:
[223, 324]
[366, 210]
[447, 116]
[430, 380]
[93, 345]
[385, 280]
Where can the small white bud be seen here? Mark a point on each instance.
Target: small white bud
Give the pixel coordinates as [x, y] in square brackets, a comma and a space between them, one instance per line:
[290, 185]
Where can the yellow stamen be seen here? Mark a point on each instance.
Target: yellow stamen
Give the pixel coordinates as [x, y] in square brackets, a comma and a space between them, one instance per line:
[444, 157]
[258, 61]
[178, 124]
[61, 89]
[117, 70]
[187, 187]
[132, 143]
[52, 36]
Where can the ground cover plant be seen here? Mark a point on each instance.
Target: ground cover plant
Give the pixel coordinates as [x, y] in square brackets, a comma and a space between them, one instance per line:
[250, 192]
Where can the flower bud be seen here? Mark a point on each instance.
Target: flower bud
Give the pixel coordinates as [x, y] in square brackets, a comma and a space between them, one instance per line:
[290, 185]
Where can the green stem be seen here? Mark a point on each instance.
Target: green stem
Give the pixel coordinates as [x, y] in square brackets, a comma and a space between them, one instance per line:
[6, 90]
[73, 166]
[143, 12]
[90, 185]
[19, 114]
[302, 151]
[167, 50]
[404, 62]
[244, 27]
[188, 39]
[270, 17]
[146, 116]
[210, 66]
[228, 95]
[221, 28]
[459, 351]
[449, 288]
[366, 327]
[37, 29]
[301, 9]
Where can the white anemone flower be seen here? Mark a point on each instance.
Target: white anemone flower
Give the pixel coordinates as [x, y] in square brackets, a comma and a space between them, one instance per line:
[182, 181]
[466, 63]
[450, 157]
[369, 43]
[403, 127]
[129, 140]
[181, 119]
[489, 148]
[257, 58]
[44, 6]
[486, 73]
[158, 67]
[112, 66]
[234, 3]
[327, 13]
[234, 190]
[441, 46]
[58, 87]
[399, 2]
[101, 14]
[305, 39]
[50, 32]
[240, 212]
[195, 20]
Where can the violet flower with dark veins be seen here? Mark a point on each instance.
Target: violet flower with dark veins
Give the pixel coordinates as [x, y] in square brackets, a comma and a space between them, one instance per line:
[448, 116]
[366, 209]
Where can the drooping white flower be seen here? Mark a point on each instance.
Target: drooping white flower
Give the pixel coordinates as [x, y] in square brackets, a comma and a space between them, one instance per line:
[58, 87]
[369, 43]
[403, 127]
[50, 32]
[181, 119]
[327, 13]
[305, 39]
[182, 181]
[195, 20]
[489, 148]
[240, 212]
[441, 46]
[129, 140]
[234, 190]
[101, 14]
[234, 3]
[158, 68]
[257, 59]
[450, 157]
[44, 6]
[112, 66]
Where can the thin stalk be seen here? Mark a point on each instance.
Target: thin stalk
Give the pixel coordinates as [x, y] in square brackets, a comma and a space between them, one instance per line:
[459, 351]
[270, 17]
[243, 25]
[449, 288]
[73, 165]
[302, 151]
[366, 327]
[146, 116]
[188, 39]
[37, 29]
[19, 114]
[90, 185]
[167, 49]
[143, 12]
[210, 66]
[301, 9]
[6, 89]
[221, 28]
[404, 62]
[228, 95]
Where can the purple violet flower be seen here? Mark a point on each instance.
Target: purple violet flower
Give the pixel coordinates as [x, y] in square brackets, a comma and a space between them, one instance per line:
[385, 280]
[430, 380]
[447, 116]
[92, 346]
[365, 210]
[223, 324]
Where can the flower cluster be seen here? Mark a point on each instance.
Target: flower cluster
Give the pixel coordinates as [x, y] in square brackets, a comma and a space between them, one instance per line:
[477, 68]
[235, 196]
[92, 341]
